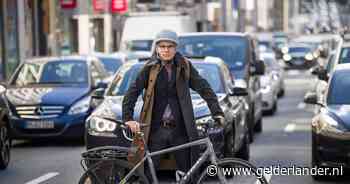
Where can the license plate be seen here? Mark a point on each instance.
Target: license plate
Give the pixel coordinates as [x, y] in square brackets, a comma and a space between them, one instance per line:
[40, 125]
[299, 62]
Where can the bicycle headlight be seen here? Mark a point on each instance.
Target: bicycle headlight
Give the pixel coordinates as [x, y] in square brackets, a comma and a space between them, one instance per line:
[102, 125]
[81, 106]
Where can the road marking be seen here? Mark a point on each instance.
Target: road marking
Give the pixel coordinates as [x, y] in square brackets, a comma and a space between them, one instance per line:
[43, 178]
[267, 177]
[290, 128]
[301, 105]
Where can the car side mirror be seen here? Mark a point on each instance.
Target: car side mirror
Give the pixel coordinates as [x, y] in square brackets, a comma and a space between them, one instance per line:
[98, 93]
[323, 75]
[102, 85]
[238, 91]
[311, 98]
[258, 68]
[315, 70]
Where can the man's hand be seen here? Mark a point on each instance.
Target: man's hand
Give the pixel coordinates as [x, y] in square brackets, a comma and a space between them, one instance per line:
[133, 125]
[220, 120]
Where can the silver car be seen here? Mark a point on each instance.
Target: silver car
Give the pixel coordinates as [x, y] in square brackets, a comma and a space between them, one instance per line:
[272, 83]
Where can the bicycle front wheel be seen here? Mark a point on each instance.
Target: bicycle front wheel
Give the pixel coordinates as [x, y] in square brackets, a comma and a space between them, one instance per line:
[101, 175]
[232, 170]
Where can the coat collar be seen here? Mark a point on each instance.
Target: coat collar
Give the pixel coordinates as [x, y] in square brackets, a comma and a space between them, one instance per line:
[178, 59]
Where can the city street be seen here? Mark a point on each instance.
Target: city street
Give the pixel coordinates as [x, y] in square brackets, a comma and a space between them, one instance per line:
[285, 141]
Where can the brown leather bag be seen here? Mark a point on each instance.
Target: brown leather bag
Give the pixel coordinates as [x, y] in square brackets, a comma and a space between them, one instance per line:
[136, 155]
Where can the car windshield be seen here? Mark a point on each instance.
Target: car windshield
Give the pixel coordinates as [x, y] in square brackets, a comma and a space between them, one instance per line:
[299, 50]
[111, 64]
[140, 45]
[231, 49]
[127, 75]
[345, 55]
[53, 72]
[340, 82]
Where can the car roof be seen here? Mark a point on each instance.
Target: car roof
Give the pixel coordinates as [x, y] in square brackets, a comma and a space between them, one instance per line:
[201, 60]
[57, 58]
[214, 34]
[346, 44]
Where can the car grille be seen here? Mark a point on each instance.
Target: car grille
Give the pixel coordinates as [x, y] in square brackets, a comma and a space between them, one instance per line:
[39, 112]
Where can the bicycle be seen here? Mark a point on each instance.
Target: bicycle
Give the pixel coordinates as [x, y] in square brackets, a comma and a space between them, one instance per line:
[123, 172]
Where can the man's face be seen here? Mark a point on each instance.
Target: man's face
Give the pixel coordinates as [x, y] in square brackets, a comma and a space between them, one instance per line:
[166, 50]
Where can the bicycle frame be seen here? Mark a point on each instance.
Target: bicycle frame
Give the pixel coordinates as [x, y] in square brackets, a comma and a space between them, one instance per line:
[208, 153]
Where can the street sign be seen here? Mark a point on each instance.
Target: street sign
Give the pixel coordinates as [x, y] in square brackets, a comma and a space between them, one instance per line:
[68, 4]
[119, 6]
[100, 5]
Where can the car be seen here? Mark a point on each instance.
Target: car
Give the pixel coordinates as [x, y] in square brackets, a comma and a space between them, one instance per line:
[299, 56]
[271, 83]
[274, 67]
[330, 126]
[5, 145]
[111, 62]
[231, 140]
[240, 52]
[51, 96]
[322, 71]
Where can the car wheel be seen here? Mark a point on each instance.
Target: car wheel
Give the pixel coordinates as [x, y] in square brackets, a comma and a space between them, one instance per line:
[229, 145]
[244, 151]
[315, 160]
[281, 93]
[4, 148]
[259, 127]
[251, 123]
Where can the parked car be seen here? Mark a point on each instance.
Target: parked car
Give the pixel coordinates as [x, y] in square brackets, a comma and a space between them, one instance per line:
[230, 140]
[51, 96]
[239, 51]
[331, 125]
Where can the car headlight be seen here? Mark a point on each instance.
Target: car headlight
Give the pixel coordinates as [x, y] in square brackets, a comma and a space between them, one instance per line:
[285, 50]
[265, 89]
[275, 76]
[81, 106]
[309, 57]
[329, 124]
[101, 125]
[287, 57]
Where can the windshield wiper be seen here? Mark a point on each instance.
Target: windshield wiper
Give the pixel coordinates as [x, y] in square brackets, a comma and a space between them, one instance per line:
[195, 57]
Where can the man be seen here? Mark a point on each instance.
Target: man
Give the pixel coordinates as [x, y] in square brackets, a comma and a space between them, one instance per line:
[167, 111]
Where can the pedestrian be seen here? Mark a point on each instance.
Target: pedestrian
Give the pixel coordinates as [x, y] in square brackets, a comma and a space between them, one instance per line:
[167, 115]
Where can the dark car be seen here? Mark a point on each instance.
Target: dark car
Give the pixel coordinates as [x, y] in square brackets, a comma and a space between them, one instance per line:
[331, 125]
[50, 97]
[299, 56]
[5, 145]
[228, 141]
[240, 52]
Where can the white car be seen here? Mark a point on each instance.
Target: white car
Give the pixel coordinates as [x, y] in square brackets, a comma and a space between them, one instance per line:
[272, 83]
